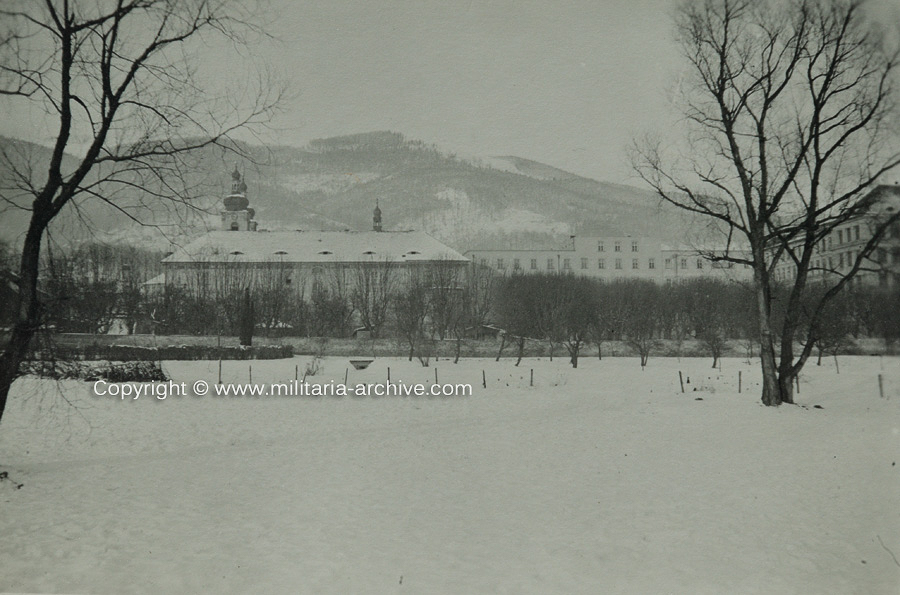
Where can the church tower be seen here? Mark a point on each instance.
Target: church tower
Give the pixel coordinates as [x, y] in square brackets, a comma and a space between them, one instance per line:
[376, 217]
[237, 216]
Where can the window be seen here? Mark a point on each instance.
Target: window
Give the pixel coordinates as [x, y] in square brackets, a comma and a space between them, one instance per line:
[599, 246]
[484, 262]
[533, 263]
[601, 264]
[651, 263]
[634, 263]
[550, 266]
[634, 246]
[684, 263]
[500, 263]
[516, 264]
[699, 263]
[668, 263]
[234, 226]
[840, 236]
[841, 261]
[856, 231]
[566, 264]
[618, 246]
[618, 263]
[584, 263]
[287, 280]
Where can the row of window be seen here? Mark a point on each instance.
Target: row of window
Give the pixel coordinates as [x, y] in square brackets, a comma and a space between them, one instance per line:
[617, 246]
[844, 236]
[566, 263]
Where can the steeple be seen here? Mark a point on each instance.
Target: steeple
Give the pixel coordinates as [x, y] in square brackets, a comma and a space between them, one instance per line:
[237, 216]
[376, 217]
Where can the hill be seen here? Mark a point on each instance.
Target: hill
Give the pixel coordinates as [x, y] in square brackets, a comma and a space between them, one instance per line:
[334, 183]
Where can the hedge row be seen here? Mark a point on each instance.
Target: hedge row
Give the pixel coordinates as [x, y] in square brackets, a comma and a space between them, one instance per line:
[130, 353]
[134, 371]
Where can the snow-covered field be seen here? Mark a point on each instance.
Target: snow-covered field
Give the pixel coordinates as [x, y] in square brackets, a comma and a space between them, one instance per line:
[604, 479]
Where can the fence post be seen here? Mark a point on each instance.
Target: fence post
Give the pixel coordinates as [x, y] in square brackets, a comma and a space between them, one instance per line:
[681, 380]
[739, 382]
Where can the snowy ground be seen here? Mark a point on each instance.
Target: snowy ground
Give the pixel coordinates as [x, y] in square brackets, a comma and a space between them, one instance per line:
[604, 479]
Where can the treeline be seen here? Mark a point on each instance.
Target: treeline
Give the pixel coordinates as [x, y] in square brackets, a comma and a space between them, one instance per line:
[94, 288]
[417, 307]
[571, 311]
[90, 287]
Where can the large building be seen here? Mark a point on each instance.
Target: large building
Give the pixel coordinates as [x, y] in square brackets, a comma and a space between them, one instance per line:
[241, 255]
[835, 254]
[614, 257]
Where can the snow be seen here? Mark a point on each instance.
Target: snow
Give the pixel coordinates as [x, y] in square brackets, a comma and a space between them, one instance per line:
[603, 479]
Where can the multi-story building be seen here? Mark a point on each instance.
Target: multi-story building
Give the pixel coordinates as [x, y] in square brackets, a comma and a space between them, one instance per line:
[240, 255]
[836, 253]
[613, 257]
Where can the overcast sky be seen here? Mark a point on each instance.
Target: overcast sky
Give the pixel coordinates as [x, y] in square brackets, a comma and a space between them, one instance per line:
[568, 83]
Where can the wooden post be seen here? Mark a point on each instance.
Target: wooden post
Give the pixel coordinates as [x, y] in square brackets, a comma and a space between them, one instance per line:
[836, 366]
[880, 386]
[435, 376]
[250, 372]
[483, 379]
[346, 372]
[681, 380]
[739, 382]
[531, 382]
[296, 372]
[389, 375]
[220, 371]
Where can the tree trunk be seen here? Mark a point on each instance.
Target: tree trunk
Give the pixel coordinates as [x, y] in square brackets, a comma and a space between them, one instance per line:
[26, 307]
[521, 352]
[771, 390]
[502, 345]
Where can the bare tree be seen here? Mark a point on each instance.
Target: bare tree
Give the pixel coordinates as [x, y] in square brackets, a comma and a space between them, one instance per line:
[374, 285]
[118, 81]
[790, 108]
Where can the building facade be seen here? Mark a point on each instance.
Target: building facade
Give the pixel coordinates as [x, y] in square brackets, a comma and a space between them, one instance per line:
[240, 255]
[836, 253]
[613, 257]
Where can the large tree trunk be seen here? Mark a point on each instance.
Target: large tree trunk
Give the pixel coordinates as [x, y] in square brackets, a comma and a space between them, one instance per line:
[27, 317]
[771, 390]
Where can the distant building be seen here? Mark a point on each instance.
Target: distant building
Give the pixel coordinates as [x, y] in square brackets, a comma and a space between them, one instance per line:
[613, 257]
[240, 255]
[835, 254]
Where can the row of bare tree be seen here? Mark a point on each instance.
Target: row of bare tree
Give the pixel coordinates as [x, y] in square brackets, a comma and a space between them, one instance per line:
[575, 311]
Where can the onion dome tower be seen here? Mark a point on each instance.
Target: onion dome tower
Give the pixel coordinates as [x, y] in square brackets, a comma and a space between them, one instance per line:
[376, 217]
[238, 216]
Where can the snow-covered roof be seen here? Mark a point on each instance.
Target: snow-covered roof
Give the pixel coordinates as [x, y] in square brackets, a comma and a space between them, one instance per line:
[315, 247]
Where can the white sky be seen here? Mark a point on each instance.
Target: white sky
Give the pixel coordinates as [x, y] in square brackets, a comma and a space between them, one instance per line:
[566, 82]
